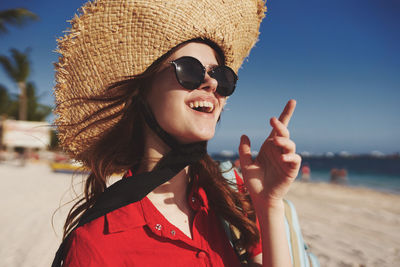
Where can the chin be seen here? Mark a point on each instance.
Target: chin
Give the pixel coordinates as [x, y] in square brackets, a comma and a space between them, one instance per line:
[198, 136]
[205, 137]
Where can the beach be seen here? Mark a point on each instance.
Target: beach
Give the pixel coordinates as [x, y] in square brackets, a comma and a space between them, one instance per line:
[346, 226]
[343, 226]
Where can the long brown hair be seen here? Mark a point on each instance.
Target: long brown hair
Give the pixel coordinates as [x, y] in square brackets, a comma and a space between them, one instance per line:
[122, 148]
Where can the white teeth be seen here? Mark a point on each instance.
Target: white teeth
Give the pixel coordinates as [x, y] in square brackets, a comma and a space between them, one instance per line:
[207, 104]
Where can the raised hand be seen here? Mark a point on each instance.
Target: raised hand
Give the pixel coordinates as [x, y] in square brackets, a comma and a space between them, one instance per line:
[270, 175]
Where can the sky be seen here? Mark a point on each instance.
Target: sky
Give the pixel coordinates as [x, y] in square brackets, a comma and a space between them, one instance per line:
[339, 59]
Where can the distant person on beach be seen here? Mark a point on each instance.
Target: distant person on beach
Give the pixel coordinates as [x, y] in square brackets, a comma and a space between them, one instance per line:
[305, 173]
[338, 176]
[140, 88]
[22, 156]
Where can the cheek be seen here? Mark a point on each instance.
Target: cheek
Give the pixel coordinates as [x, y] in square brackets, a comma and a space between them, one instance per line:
[167, 108]
[161, 93]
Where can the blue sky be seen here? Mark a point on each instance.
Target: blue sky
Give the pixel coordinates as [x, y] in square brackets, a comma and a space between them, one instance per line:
[339, 59]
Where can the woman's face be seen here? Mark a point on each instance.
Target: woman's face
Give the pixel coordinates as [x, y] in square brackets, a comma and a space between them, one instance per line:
[171, 103]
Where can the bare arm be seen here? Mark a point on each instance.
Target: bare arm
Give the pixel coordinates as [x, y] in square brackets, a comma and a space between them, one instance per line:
[268, 179]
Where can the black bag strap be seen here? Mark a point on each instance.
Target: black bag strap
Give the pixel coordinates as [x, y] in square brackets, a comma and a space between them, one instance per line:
[121, 193]
[132, 189]
[127, 191]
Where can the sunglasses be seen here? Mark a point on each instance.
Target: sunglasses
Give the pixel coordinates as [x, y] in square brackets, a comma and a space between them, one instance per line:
[190, 73]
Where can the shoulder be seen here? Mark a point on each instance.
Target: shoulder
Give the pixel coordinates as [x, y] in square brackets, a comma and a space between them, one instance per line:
[97, 242]
[83, 249]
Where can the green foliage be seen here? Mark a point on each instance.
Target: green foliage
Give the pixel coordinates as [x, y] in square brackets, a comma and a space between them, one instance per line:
[36, 111]
[17, 67]
[4, 100]
[9, 105]
[16, 17]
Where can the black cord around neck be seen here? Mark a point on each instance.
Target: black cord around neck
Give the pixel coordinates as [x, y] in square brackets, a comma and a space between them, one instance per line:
[133, 189]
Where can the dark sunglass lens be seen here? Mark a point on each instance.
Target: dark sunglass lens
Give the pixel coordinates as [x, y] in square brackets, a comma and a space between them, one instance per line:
[226, 79]
[189, 72]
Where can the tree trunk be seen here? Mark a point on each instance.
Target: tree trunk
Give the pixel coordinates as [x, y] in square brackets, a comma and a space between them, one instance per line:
[22, 101]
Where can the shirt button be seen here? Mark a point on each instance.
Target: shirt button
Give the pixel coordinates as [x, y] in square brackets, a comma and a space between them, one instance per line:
[201, 255]
[172, 232]
[158, 226]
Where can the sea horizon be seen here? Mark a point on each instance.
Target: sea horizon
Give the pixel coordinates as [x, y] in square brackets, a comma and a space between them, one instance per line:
[381, 173]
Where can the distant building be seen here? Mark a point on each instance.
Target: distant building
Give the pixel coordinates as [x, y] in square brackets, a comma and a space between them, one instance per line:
[24, 134]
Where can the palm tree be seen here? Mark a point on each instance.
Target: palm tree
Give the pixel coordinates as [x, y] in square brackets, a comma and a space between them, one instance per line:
[16, 16]
[18, 68]
[36, 110]
[5, 100]
[9, 104]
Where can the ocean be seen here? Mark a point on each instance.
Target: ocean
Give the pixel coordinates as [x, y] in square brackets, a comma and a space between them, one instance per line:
[380, 182]
[378, 173]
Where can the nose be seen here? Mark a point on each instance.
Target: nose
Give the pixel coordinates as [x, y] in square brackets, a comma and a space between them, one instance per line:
[209, 84]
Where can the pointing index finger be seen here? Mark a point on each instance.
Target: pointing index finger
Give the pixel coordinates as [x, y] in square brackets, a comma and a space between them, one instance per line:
[287, 112]
[285, 116]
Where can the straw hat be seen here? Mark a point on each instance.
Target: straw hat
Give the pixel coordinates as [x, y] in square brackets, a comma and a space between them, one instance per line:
[113, 39]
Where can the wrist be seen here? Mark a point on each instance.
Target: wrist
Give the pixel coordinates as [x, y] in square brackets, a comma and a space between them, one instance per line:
[269, 206]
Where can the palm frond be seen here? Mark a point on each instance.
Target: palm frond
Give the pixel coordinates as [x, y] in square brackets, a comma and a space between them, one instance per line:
[18, 66]
[8, 67]
[21, 60]
[5, 100]
[16, 17]
[36, 110]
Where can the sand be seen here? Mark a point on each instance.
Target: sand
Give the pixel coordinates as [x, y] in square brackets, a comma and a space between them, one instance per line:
[347, 226]
[343, 226]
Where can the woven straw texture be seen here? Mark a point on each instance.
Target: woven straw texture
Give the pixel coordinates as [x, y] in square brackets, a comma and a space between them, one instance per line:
[112, 39]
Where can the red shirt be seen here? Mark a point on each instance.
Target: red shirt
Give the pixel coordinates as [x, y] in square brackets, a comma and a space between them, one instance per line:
[139, 235]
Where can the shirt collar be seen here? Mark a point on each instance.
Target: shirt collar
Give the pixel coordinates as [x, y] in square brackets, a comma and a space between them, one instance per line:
[124, 218]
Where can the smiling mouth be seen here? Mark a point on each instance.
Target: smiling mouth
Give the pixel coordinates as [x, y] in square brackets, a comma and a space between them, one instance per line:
[202, 106]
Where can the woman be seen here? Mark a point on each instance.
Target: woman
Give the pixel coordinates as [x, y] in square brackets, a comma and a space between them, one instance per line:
[140, 88]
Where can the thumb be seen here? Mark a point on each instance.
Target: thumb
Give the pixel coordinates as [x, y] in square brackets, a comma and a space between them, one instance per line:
[245, 152]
